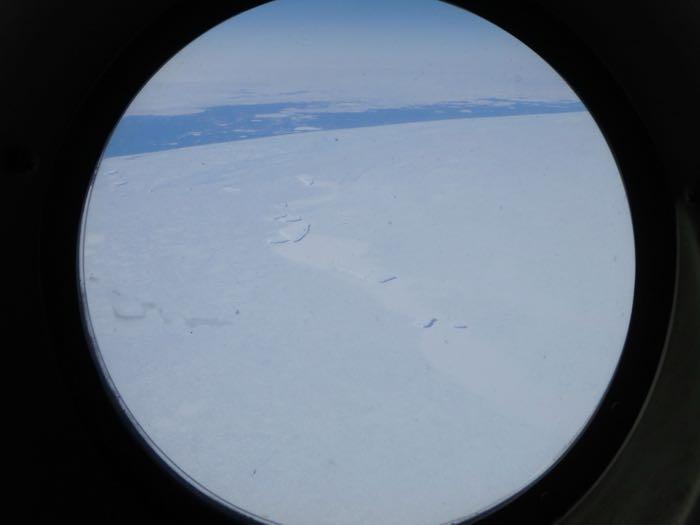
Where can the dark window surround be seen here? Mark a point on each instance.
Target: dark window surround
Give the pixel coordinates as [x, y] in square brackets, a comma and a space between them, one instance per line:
[654, 227]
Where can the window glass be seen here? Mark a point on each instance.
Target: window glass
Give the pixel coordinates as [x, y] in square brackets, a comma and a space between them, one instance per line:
[358, 262]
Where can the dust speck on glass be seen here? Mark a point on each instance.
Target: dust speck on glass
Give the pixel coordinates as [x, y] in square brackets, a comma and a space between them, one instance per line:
[358, 262]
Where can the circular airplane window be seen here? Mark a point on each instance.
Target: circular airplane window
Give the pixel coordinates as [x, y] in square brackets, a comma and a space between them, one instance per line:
[358, 262]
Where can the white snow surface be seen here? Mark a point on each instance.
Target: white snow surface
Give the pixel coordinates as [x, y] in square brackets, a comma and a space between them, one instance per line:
[428, 335]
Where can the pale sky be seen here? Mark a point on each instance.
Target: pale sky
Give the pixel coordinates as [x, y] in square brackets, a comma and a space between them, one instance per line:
[386, 53]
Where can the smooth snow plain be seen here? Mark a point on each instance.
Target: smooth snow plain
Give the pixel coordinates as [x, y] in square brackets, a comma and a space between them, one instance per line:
[401, 324]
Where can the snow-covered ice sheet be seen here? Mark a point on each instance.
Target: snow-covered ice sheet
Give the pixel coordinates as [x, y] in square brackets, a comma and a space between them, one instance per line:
[316, 327]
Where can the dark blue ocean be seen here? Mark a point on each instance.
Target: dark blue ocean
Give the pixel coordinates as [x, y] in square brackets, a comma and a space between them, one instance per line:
[146, 133]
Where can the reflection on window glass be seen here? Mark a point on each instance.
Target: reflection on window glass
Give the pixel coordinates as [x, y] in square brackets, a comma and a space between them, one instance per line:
[358, 262]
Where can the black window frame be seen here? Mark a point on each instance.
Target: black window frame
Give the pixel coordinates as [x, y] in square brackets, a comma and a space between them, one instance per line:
[654, 225]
